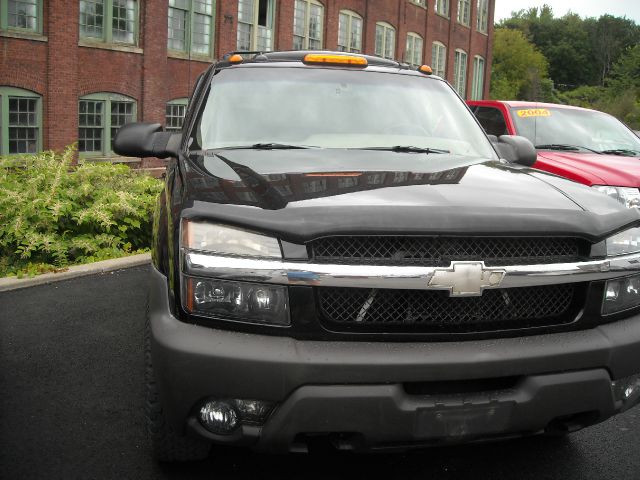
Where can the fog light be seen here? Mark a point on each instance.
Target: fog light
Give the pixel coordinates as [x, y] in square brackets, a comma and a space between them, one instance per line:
[254, 411]
[621, 294]
[627, 391]
[219, 417]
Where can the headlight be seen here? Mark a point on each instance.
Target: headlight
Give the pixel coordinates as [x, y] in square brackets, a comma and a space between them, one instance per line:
[624, 242]
[238, 301]
[232, 300]
[209, 237]
[627, 196]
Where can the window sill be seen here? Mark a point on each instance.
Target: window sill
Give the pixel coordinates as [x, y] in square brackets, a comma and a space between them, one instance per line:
[36, 37]
[464, 25]
[442, 15]
[110, 46]
[416, 4]
[192, 57]
[486, 34]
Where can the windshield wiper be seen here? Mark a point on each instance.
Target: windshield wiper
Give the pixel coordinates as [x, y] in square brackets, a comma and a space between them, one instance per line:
[621, 151]
[407, 149]
[265, 146]
[565, 147]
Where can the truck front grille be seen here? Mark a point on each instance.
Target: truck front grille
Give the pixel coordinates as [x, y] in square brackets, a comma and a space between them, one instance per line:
[440, 251]
[428, 311]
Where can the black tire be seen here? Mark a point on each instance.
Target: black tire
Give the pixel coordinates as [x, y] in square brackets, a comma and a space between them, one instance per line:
[168, 446]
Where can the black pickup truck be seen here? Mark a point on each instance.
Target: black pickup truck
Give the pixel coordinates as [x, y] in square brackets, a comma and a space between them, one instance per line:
[342, 257]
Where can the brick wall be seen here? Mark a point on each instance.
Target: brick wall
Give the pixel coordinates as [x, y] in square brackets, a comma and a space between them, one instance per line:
[60, 68]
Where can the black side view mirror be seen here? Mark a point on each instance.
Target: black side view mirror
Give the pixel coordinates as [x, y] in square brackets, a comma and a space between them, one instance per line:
[140, 139]
[516, 149]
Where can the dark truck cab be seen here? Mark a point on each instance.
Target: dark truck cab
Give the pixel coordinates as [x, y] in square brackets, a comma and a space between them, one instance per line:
[342, 256]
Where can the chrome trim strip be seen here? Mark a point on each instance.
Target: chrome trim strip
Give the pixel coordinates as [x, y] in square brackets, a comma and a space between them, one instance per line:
[406, 278]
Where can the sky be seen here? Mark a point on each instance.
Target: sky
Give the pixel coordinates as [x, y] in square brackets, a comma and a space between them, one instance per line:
[584, 8]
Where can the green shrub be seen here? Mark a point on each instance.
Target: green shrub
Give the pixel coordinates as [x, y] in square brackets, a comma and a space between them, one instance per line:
[54, 214]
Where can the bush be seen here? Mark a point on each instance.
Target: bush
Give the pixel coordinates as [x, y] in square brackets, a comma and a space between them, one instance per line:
[54, 214]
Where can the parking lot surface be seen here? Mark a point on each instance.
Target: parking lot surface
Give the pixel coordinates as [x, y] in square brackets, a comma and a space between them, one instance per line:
[71, 397]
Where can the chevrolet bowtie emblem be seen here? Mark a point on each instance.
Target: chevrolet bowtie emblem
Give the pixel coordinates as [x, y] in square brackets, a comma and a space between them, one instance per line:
[466, 279]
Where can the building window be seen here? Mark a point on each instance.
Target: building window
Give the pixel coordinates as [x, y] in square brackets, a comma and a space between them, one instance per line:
[413, 55]
[477, 86]
[438, 59]
[350, 32]
[176, 110]
[385, 40]
[20, 121]
[422, 3]
[483, 16]
[308, 19]
[190, 27]
[255, 25]
[110, 21]
[464, 12]
[100, 116]
[460, 72]
[21, 15]
[442, 7]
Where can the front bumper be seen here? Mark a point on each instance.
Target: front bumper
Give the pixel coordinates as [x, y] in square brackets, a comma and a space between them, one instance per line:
[357, 391]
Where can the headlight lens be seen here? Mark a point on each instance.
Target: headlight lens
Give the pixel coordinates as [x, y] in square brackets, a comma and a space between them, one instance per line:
[627, 196]
[239, 301]
[624, 242]
[621, 294]
[214, 238]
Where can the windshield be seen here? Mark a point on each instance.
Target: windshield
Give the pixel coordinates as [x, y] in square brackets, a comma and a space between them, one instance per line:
[337, 108]
[568, 127]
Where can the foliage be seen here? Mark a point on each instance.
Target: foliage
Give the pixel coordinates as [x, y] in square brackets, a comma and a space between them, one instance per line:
[54, 214]
[592, 63]
[519, 69]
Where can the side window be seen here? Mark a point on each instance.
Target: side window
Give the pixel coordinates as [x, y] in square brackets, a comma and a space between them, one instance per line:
[491, 120]
[20, 121]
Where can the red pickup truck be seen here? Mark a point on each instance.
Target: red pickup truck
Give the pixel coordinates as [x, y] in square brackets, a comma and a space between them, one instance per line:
[584, 145]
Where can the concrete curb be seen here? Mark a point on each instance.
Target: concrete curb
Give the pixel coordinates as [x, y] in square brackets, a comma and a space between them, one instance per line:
[12, 283]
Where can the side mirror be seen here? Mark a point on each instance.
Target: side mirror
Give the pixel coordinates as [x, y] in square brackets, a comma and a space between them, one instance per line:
[516, 149]
[140, 139]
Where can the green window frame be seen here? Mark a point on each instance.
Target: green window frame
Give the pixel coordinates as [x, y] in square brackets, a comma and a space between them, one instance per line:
[441, 7]
[477, 84]
[20, 121]
[385, 40]
[439, 58]
[415, 48]
[460, 72]
[21, 16]
[100, 116]
[255, 25]
[308, 25]
[350, 28]
[464, 12]
[482, 21]
[190, 27]
[110, 21]
[174, 115]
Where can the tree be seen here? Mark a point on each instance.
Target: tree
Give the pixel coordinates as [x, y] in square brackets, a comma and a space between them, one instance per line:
[519, 69]
[610, 36]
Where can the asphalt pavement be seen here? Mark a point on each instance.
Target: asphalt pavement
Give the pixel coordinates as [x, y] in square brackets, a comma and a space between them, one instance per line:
[71, 397]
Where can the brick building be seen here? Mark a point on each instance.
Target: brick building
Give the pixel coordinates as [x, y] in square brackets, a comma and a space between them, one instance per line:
[76, 70]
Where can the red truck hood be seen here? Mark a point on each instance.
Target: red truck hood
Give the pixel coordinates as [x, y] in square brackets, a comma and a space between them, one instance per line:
[592, 168]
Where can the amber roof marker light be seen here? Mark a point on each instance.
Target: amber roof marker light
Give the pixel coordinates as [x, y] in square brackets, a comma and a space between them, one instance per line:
[426, 69]
[333, 59]
[236, 58]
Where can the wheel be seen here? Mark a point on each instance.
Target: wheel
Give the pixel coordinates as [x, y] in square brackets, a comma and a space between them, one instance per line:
[168, 446]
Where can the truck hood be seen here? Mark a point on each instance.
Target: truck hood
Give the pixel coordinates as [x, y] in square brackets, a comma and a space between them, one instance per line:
[302, 194]
[596, 169]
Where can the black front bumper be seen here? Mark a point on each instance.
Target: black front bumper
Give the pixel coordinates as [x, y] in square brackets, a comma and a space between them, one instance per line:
[357, 392]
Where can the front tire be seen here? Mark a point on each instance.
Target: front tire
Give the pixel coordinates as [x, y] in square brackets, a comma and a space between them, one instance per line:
[168, 446]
